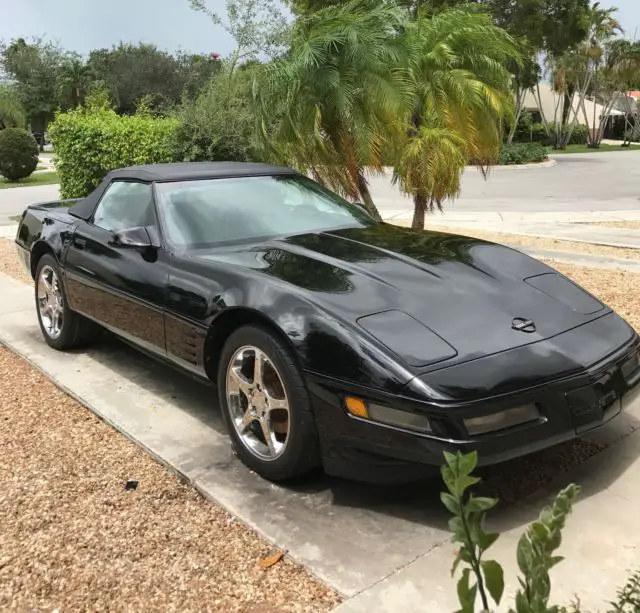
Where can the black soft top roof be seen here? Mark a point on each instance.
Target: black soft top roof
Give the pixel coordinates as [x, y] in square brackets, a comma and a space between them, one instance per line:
[183, 171]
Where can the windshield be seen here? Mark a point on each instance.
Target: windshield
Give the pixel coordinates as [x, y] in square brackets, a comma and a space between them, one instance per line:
[213, 211]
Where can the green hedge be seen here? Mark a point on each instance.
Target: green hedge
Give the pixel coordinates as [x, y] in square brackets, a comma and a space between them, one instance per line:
[88, 143]
[522, 153]
[536, 133]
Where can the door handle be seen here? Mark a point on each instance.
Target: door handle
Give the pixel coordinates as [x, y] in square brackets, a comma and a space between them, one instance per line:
[79, 242]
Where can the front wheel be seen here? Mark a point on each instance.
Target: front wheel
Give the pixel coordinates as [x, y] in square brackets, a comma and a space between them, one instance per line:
[61, 327]
[265, 405]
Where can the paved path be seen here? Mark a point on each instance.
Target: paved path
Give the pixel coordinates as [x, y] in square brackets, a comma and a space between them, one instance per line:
[384, 548]
[14, 200]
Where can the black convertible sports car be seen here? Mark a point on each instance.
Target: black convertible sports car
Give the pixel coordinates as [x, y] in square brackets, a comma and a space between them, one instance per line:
[333, 339]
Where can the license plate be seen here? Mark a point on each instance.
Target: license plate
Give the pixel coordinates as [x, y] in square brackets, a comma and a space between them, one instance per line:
[594, 404]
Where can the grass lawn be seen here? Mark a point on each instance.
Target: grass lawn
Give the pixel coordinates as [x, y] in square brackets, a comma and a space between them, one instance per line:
[40, 178]
[584, 149]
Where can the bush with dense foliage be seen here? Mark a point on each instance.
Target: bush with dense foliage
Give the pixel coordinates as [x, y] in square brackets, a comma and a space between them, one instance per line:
[522, 153]
[18, 153]
[529, 131]
[219, 124]
[90, 142]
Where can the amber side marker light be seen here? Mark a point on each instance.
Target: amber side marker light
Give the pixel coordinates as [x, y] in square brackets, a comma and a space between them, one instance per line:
[386, 415]
[357, 407]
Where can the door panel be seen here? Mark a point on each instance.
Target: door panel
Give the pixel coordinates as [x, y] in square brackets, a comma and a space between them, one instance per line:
[123, 289]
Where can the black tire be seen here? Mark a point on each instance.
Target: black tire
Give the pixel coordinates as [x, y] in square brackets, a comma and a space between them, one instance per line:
[76, 330]
[301, 454]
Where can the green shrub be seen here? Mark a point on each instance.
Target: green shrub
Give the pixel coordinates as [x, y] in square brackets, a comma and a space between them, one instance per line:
[522, 153]
[219, 124]
[580, 135]
[529, 132]
[90, 142]
[18, 153]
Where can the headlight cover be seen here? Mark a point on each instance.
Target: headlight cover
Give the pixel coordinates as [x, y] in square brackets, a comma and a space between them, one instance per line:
[501, 420]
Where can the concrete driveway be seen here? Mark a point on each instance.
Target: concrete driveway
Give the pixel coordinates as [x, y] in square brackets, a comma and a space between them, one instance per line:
[383, 548]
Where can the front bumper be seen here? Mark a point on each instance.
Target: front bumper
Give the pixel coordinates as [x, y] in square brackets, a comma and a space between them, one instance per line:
[364, 450]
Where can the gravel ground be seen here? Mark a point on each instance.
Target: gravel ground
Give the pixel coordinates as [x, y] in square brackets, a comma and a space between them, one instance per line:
[542, 243]
[9, 263]
[619, 289]
[73, 539]
[627, 225]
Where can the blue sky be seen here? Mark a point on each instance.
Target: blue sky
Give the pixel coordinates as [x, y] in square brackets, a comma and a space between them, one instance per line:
[82, 25]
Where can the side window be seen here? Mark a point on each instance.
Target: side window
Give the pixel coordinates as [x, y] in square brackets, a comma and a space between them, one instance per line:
[125, 205]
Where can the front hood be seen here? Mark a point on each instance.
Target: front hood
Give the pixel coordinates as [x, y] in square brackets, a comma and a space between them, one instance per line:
[465, 290]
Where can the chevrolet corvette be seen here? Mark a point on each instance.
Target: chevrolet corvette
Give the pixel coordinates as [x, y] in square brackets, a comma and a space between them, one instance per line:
[333, 340]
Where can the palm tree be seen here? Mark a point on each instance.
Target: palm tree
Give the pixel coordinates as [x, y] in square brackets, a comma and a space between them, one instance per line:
[75, 81]
[339, 90]
[622, 61]
[577, 73]
[602, 27]
[461, 94]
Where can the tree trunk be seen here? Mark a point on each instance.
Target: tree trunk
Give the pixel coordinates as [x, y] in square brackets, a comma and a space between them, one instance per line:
[593, 140]
[567, 106]
[538, 99]
[365, 194]
[419, 210]
[520, 94]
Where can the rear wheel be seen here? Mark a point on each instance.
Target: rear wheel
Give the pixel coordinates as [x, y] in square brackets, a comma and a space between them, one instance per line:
[61, 327]
[265, 406]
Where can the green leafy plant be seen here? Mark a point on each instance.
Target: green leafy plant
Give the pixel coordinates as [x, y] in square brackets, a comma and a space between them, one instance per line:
[535, 132]
[535, 554]
[219, 124]
[628, 596]
[90, 142]
[522, 153]
[18, 154]
[467, 526]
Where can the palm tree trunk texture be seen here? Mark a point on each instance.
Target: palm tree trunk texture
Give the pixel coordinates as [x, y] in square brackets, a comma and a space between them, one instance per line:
[419, 211]
[365, 194]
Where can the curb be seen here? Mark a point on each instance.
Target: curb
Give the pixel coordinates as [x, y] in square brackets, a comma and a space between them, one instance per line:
[550, 163]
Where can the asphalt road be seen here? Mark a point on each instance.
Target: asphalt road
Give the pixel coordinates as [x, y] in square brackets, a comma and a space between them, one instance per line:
[14, 200]
[579, 182]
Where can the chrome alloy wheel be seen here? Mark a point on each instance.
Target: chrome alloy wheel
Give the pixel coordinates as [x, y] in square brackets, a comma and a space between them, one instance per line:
[257, 403]
[50, 302]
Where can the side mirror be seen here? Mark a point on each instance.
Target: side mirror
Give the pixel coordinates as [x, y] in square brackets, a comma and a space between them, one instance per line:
[362, 207]
[134, 238]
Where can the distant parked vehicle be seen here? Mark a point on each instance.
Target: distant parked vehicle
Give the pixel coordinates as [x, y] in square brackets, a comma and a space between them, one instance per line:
[334, 340]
